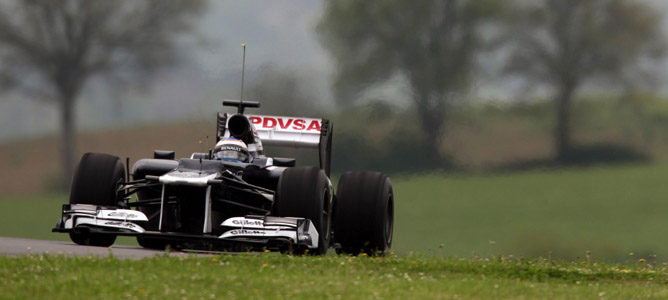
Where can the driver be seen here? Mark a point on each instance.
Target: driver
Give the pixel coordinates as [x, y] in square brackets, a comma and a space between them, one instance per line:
[231, 149]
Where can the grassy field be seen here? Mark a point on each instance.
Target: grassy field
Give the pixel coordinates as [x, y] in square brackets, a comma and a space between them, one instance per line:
[605, 213]
[590, 233]
[28, 170]
[275, 276]
[34, 216]
[31, 217]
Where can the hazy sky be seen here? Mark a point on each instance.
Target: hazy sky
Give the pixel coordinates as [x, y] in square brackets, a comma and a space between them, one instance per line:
[277, 31]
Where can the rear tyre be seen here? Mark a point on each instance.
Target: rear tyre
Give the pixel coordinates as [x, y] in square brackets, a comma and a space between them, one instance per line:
[305, 192]
[96, 181]
[364, 213]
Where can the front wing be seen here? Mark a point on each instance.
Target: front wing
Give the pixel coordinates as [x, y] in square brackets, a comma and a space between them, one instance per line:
[247, 230]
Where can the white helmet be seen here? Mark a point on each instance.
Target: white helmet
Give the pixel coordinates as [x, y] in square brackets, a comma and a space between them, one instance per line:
[231, 149]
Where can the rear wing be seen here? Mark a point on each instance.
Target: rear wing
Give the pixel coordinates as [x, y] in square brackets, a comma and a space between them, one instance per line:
[294, 132]
[287, 131]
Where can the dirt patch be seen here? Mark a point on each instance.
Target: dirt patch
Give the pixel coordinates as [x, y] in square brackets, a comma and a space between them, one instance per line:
[33, 166]
[496, 143]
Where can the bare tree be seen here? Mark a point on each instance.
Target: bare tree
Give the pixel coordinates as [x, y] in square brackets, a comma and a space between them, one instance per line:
[50, 50]
[431, 43]
[565, 44]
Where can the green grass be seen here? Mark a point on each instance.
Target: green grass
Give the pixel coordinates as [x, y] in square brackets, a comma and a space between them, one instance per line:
[608, 212]
[35, 216]
[477, 237]
[275, 276]
[31, 217]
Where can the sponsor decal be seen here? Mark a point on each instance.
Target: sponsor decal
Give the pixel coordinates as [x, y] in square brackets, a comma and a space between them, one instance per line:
[285, 123]
[186, 174]
[246, 222]
[121, 224]
[230, 148]
[122, 215]
[231, 144]
[246, 232]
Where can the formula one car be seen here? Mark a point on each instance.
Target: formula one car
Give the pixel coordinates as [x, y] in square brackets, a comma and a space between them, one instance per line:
[233, 198]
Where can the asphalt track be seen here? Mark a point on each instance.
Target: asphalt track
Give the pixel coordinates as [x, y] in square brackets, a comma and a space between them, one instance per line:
[10, 246]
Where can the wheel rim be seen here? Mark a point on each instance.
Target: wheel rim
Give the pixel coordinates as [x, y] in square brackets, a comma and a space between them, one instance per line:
[389, 223]
[326, 215]
[116, 187]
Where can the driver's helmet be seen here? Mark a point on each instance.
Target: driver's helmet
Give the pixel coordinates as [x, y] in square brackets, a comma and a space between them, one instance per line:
[231, 149]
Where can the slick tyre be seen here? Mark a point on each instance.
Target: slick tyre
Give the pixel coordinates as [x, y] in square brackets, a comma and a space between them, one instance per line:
[152, 243]
[96, 181]
[364, 213]
[305, 192]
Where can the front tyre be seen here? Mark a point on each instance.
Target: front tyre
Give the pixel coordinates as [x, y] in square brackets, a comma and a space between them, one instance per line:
[152, 243]
[364, 213]
[96, 181]
[305, 192]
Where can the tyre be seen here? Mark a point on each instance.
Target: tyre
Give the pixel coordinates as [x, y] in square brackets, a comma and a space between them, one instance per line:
[305, 192]
[153, 195]
[152, 243]
[364, 213]
[96, 182]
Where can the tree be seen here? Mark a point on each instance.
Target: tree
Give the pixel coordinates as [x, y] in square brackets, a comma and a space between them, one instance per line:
[283, 91]
[565, 44]
[431, 43]
[50, 50]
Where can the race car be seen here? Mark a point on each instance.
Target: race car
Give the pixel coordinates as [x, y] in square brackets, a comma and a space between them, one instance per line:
[233, 198]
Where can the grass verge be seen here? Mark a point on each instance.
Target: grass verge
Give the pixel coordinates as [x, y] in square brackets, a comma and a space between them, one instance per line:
[275, 276]
[605, 211]
[35, 216]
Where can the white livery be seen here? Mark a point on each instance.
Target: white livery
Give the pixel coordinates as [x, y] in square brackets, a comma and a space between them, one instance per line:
[234, 197]
[287, 131]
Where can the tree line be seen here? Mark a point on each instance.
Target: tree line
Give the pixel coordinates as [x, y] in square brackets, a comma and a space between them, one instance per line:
[559, 46]
[52, 50]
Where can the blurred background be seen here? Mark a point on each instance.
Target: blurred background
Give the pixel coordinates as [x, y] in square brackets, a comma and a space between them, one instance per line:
[525, 128]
